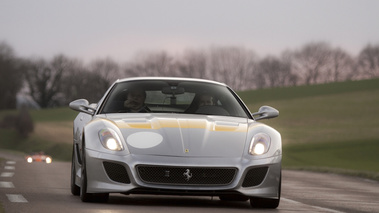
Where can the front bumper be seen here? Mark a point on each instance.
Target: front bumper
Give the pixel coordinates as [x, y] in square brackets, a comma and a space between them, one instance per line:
[107, 173]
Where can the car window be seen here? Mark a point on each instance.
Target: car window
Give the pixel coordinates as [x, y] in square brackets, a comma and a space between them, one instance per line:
[157, 96]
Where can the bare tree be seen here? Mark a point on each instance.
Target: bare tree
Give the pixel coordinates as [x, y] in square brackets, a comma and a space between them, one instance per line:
[233, 66]
[310, 62]
[107, 68]
[11, 77]
[44, 80]
[341, 66]
[80, 82]
[150, 64]
[368, 61]
[193, 64]
[274, 72]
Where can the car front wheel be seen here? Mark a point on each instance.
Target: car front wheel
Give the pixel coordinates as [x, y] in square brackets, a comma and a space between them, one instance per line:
[267, 203]
[89, 197]
[75, 190]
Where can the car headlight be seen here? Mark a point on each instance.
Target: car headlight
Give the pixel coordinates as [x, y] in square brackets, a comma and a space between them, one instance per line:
[48, 160]
[29, 160]
[110, 140]
[260, 144]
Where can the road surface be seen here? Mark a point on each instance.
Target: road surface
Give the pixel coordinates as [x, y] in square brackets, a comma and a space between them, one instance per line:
[40, 187]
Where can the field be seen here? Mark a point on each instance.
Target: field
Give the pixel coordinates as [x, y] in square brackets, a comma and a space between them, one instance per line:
[52, 133]
[330, 127]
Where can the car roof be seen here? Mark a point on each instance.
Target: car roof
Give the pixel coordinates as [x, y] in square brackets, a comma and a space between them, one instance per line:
[169, 79]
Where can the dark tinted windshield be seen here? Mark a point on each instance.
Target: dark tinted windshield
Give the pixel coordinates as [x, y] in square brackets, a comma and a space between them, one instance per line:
[159, 96]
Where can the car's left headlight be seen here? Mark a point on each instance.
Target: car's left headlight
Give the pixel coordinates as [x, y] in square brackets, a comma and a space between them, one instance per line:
[260, 144]
[29, 160]
[110, 139]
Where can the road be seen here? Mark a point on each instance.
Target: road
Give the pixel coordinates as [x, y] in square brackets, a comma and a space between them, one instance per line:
[40, 187]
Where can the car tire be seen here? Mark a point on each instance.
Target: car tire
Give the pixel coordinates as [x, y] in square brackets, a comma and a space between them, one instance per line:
[75, 190]
[267, 203]
[89, 197]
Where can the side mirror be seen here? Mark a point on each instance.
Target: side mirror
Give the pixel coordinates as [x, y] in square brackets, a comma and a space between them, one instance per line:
[82, 105]
[265, 112]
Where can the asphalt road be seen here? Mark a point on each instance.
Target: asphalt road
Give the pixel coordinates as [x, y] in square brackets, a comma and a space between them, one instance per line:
[40, 187]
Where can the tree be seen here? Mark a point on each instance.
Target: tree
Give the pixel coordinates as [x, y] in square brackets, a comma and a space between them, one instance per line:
[273, 72]
[233, 66]
[151, 64]
[108, 69]
[11, 77]
[44, 80]
[193, 64]
[368, 61]
[310, 62]
[341, 66]
[24, 123]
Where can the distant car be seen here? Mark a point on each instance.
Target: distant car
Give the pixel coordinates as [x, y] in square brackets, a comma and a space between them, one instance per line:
[39, 157]
[175, 136]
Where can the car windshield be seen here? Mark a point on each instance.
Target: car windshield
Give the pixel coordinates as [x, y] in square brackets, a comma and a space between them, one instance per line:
[173, 96]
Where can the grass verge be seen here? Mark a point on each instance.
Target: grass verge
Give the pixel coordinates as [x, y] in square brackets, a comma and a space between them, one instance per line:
[357, 158]
[11, 140]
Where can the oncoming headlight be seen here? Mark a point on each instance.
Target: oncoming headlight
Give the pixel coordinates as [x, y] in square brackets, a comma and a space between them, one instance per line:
[260, 144]
[48, 160]
[29, 160]
[110, 140]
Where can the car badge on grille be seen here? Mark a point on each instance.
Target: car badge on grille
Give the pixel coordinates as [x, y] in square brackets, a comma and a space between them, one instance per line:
[187, 174]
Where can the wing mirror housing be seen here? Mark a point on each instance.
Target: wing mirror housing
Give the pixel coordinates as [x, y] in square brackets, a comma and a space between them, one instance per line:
[265, 112]
[82, 105]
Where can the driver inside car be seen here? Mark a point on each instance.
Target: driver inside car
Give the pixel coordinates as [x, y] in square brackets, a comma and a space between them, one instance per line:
[135, 101]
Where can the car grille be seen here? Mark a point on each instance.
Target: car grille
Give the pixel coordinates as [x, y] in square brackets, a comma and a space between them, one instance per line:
[186, 175]
[116, 172]
[255, 176]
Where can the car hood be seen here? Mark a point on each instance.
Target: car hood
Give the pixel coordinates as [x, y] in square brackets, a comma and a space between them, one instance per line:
[183, 135]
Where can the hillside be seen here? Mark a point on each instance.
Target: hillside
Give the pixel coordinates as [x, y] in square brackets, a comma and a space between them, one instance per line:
[336, 112]
[332, 127]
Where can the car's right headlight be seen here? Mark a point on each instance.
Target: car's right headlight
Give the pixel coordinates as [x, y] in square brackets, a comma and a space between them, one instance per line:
[260, 144]
[48, 160]
[110, 139]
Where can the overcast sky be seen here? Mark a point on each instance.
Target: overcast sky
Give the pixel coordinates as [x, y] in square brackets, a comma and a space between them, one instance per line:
[119, 29]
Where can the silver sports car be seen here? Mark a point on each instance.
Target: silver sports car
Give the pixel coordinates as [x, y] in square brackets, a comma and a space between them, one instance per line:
[175, 136]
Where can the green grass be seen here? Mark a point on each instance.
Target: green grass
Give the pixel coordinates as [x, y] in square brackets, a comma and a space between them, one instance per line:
[341, 115]
[53, 115]
[332, 127]
[289, 93]
[11, 140]
[35, 143]
[359, 158]
[334, 155]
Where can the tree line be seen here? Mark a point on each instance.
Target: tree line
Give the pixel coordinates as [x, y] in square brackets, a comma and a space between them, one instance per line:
[61, 79]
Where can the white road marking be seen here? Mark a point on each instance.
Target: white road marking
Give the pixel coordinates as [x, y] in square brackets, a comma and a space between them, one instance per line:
[6, 184]
[316, 207]
[9, 168]
[15, 198]
[7, 174]
[11, 162]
